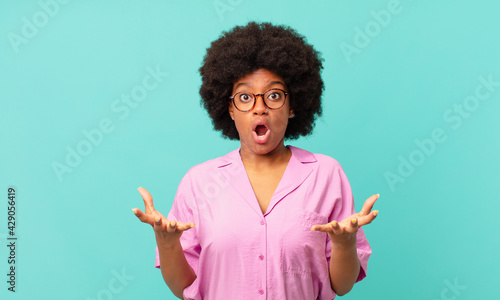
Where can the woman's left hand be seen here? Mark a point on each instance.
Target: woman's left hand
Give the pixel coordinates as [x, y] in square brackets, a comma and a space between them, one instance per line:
[344, 232]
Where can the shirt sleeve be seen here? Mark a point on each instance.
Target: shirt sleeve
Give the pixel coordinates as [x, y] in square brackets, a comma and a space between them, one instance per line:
[344, 207]
[184, 210]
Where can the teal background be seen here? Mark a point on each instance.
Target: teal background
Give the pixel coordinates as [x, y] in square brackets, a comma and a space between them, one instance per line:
[437, 226]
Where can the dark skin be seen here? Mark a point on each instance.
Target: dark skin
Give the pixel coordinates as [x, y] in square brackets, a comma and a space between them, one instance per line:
[344, 262]
[265, 163]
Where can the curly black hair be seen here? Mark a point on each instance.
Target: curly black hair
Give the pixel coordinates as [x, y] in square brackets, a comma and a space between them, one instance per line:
[277, 48]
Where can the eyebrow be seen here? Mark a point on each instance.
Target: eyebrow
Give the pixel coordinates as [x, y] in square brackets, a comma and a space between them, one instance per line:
[249, 85]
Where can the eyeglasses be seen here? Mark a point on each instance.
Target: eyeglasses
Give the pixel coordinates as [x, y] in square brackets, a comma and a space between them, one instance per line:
[273, 98]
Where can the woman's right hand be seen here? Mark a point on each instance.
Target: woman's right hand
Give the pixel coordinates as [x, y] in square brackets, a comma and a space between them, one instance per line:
[167, 232]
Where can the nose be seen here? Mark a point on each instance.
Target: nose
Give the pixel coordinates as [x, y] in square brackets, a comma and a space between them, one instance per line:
[260, 107]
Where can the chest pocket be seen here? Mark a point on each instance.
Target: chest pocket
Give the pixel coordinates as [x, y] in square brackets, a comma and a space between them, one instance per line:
[303, 250]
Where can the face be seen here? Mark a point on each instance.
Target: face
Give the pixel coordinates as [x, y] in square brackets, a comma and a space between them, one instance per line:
[261, 129]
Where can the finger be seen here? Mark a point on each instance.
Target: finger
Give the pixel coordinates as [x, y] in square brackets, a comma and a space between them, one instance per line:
[365, 220]
[322, 227]
[368, 205]
[332, 227]
[184, 226]
[148, 200]
[171, 226]
[158, 224]
[159, 214]
[174, 226]
[336, 227]
[142, 216]
[353, 225]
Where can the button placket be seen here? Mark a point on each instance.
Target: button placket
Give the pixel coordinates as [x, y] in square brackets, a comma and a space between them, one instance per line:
[262, 257]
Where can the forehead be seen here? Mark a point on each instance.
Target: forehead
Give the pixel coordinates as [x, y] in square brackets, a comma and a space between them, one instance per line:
[259, 78]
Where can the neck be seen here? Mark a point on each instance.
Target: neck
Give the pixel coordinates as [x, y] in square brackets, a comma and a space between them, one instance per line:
[278, 156]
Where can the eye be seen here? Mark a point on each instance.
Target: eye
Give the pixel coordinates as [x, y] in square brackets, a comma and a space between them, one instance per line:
[275, 95]
[244, 97]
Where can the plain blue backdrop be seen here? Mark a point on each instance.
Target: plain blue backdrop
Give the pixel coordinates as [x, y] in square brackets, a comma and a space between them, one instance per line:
[411, 111]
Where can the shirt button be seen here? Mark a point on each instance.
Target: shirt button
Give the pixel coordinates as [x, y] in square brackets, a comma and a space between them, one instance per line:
[262, 222]
[261, 257]
[261, 292]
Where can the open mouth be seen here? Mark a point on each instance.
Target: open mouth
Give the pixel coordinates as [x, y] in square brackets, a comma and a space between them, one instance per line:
[261, 130]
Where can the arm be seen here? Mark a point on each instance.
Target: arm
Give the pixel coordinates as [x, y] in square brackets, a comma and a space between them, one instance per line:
[344, 263]
[176, 271]
[344, 267]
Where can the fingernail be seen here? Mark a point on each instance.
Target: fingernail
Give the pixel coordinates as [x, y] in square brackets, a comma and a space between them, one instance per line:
[172, 223]
[375, 212]
[133, 211]
[353, 221]
[378, 195]
[334, 223]
[192, 225]
[157, 220]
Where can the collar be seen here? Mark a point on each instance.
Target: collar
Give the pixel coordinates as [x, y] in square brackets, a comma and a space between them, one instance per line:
[234, 156]
[297, 170]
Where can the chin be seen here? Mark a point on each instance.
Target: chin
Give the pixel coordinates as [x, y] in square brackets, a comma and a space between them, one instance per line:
[264, 148]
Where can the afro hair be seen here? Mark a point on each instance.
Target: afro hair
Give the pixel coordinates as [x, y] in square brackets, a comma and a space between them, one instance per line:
[277, 48]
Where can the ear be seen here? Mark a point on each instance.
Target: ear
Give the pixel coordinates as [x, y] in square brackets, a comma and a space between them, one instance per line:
[290, 114]
[231, 110]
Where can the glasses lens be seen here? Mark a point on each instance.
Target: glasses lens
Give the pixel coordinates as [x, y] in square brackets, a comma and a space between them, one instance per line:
[243, 100]
[274, 98]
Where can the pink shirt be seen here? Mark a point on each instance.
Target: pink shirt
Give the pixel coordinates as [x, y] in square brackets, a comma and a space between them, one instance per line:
[239, 253]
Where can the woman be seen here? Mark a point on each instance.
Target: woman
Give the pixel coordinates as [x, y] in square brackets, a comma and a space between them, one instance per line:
[262, 210]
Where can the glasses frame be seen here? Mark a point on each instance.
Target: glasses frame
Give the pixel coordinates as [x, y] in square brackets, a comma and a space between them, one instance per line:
[255, 99]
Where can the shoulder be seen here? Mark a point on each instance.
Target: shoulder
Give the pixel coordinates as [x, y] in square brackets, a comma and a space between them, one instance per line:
[319, 160]
[207, 167]
[325, 168]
